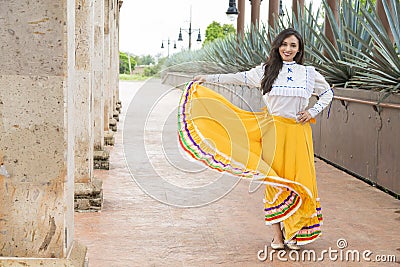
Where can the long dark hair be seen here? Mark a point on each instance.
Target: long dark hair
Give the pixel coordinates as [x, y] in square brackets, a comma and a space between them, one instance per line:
[274, 62]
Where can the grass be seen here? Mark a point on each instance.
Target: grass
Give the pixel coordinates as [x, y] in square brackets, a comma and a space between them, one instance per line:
[134, 77]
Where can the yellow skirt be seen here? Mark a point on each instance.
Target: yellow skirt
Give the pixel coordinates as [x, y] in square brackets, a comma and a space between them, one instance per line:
[271, 150]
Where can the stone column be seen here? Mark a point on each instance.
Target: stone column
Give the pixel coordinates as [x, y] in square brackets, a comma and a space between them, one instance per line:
[108, 134]
[273, 12]
[83, 95]
[380, 9]
[296, 6]
[37, 134]
[101, 155]
[119, 104]
[88, 193]
[334, 6]
[98, 73]
[116, 64]
[255, 12]
[106, 65]
[240, 19]
[114, 67]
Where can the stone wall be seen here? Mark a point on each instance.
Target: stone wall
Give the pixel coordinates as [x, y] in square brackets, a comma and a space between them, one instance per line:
[55, 89]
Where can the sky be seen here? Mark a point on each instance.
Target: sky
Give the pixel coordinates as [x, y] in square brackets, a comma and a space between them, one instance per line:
[145, 24]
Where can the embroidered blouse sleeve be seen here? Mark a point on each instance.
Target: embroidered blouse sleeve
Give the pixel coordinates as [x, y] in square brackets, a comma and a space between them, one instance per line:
[251, 78]
[324, 92]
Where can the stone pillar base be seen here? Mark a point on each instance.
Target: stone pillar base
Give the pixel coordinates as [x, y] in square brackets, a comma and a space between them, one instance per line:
[88, 196]
[113, 124]
[77, 258]
[118, 107]
[101, 159]
[116, 115]
[109, 139]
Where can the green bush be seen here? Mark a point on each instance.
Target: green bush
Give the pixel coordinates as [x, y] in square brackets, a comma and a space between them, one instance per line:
[124, 63]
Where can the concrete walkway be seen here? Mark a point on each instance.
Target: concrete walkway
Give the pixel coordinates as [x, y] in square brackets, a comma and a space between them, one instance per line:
[136, 228]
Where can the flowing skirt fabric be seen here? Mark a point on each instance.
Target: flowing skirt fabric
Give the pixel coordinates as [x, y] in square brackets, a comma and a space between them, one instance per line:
[257, 146]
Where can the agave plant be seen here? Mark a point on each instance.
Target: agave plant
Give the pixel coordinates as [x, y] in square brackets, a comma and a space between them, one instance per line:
[330, 57]
[377, 63]
[361, 54]
[230, 54]
[254, 46]
[198, 61]
[221, 51]
[182, 62]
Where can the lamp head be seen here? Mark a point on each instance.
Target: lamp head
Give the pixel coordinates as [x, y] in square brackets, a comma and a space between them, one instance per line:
[198, 37]
[232, 11]
[180, 35]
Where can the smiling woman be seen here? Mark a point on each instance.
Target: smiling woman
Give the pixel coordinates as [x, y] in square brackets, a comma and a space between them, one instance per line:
[274, 146]
[289, 48]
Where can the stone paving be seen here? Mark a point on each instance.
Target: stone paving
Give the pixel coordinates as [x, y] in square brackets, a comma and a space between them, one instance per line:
[139, 229]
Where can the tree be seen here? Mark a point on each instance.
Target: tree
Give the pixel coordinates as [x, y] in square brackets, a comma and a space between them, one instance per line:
[124, 63]
[155, 69]
[215, 31]
[144, 60]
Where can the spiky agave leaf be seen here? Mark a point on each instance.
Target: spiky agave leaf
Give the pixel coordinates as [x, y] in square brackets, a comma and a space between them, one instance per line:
[230, 54]
[329, 57]
[377, 63]
[253, 47]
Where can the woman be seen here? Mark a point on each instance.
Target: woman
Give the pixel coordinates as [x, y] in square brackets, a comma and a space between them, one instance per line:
[274, 146]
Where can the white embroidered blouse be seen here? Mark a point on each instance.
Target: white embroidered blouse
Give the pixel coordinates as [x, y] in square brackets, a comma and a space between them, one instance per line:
[291, 91]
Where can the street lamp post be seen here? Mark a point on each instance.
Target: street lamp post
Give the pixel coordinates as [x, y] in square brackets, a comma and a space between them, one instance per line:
[281, 13]
[275, 8]
[190, 31]
[237, 13]
[168, 43]
[232, 11]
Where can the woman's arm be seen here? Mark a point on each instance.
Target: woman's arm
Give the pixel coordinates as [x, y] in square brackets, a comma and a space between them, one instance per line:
[324, 92]
[251, 78]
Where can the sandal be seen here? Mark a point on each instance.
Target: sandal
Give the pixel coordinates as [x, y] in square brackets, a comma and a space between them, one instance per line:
[292, 245]
[278, 246]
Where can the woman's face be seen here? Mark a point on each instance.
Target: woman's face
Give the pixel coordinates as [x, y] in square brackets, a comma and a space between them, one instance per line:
[289, 48]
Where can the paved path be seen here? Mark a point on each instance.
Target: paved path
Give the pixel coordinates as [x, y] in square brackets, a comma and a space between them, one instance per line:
[139, 229]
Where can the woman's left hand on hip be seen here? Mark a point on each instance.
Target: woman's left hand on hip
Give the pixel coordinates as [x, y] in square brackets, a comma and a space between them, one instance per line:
[303, 116]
